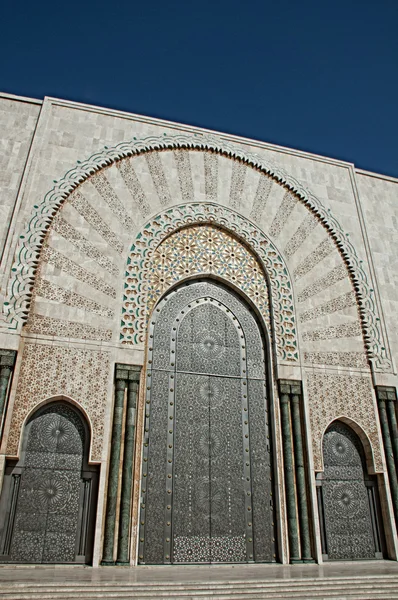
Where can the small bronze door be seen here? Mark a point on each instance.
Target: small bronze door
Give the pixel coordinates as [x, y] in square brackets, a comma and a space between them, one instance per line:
[49, 496]
[347, 499]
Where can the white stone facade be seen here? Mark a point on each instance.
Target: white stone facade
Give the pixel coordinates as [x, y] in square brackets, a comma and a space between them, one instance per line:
[89, 195]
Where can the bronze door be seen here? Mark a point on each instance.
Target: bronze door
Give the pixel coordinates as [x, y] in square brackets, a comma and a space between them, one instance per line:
[347, 499]
[206, 486]
[48, 501]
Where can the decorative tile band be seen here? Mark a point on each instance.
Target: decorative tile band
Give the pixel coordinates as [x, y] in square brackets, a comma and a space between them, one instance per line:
[130, 178]
[77, 239]
[211, 176]
[27, 253]
[284, 211]
[69, 329]
[52, 256]
[158, 177]
[184, 174]
[304, 230]
[106, 191]
[83, 207]
[52, 291]
[260, 200]
[237, 184]
[345, 301]
[356, 360]
[335, 275]
[324, 249]
[345, 330]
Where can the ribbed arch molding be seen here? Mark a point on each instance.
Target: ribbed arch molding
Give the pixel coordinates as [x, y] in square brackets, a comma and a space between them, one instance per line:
[241, 170]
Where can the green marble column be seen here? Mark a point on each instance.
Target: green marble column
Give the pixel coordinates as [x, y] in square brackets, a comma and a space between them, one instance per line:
[128, 464]
[7, 361]
[296, 403]
[388, 448]
[391, 403]
[113, 476]
[292, 526]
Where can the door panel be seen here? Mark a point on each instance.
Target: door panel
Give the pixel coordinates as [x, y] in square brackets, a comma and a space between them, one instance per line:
[207, 477]
[348, 520]
[192, 452]
[43, 492]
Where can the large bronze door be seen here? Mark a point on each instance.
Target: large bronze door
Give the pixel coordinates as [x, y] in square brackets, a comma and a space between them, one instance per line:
[49, 496]
[207, 477]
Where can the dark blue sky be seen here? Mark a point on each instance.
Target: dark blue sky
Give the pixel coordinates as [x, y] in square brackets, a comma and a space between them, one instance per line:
[315, 75]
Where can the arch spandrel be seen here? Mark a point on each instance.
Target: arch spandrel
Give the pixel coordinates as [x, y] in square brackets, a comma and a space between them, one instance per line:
[55, 371]
[288, 214]
[348, 398]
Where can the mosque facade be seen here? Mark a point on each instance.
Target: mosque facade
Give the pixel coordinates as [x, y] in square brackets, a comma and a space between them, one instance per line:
[198, 346]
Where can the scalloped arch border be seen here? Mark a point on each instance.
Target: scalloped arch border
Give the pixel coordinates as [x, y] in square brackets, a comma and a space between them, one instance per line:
[26, 260]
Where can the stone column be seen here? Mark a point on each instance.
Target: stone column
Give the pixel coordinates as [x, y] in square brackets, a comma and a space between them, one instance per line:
[128, 462]
[7, 362]
[296, 404]
[384, 396]
[292, 526]
[114, 464]
[391, 402]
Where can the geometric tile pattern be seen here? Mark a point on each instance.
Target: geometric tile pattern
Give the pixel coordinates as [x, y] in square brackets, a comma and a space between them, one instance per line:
[144, 264]
[329, 307]
[49, 371]
[68, 329]
[205, 249]
[332, 396]
[356, 360]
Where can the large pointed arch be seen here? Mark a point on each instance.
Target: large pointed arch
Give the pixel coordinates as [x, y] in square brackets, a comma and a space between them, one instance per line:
[31, 240]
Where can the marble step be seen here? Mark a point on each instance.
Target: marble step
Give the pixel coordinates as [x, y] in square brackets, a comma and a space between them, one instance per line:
[197, 585]
[339, 589]
[341, 595]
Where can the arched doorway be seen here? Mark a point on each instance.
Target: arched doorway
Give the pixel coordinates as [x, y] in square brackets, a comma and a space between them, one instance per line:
[49, 496]
[348, 501]
[207, 468]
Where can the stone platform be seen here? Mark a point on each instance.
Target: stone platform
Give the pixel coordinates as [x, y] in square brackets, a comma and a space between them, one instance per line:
[355, 581]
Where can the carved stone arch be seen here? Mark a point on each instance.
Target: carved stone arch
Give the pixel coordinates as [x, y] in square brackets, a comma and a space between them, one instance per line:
[362, 435]
[65, 399]
[261, 272]
[31, 240]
